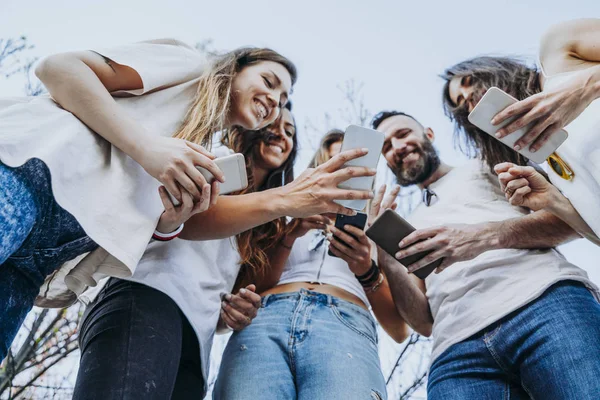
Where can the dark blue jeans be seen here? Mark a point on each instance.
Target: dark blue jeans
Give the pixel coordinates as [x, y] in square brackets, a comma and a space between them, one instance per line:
[549, 349]
[36, 237]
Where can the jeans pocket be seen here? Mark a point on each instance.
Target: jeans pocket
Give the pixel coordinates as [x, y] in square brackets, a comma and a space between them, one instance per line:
[357, 321]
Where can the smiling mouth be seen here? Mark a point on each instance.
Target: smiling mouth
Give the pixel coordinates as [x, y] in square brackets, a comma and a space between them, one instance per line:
[275, 148]
[410, 156]
[261, 110]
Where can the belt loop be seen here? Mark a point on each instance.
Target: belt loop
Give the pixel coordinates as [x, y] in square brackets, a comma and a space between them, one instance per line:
[265, 300]
[330, 300]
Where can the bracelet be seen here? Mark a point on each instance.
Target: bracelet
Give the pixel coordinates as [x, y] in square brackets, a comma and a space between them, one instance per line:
[376, 286]
[369, 273]
[165, 237]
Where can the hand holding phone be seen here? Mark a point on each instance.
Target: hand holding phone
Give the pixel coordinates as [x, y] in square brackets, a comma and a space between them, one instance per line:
[359, 221]
[494, 101]
[388, 230]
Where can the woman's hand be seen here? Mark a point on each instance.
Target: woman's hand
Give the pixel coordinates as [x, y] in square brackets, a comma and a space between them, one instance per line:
[357, 250]
[547, 112]
[525, 187]
[381, 203]
[238, 310]
[303, 225]
[173, 162]
[174, 216]
[314, 191]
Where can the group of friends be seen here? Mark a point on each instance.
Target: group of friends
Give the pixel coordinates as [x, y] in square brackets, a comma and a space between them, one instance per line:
[101, 200]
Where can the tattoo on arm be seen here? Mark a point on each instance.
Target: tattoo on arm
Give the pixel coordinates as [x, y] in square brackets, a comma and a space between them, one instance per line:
[107, 60]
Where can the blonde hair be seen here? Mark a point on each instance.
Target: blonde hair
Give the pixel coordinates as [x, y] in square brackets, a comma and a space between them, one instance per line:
[322, 154]
[209, 111]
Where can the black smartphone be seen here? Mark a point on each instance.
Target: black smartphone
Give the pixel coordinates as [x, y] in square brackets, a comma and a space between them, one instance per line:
[388, 230]
[359, 220]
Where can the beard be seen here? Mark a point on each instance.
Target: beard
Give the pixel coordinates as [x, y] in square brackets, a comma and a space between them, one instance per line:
[421, 170]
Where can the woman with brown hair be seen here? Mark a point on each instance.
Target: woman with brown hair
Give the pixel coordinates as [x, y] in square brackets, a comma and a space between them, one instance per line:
[562, 91]
[314, 336]
[120, 122]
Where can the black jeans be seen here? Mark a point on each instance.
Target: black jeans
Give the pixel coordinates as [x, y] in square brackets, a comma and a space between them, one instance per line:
[137, 344]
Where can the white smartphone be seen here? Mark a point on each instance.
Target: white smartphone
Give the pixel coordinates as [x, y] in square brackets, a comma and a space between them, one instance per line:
[234, 169]
[496, 100]
[357, 137]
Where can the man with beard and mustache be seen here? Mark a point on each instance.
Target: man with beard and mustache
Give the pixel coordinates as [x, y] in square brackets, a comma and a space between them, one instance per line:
[511, 317]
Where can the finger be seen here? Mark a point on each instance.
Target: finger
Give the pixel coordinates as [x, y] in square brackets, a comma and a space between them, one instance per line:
[341, 235]
[417, 248]
[532, 134]
[200, 149]
[518, 108]
[376, 203]
[173, 188]
[187, 203]
[210, 166]
[348, 253]
[425, 261]
[214, 193]
[544, 137]
[522, 171]
[337, 161]
[418, 235]
[242, 305]
[249, 293]
[195, 175]
[166, 200]
[504, 178]
[233, 324]
[343, 210]
[516, 184]
[319, 219]
[238, 316]
[503, 167]
[344, 174]
[359, 234]
[204, 203]
[518, 196]
[339, 254]
[394, 206]
[186, 183]
[348, 194]
[391, 197]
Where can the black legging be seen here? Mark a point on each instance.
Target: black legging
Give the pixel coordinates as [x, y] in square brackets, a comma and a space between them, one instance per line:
[137, 344]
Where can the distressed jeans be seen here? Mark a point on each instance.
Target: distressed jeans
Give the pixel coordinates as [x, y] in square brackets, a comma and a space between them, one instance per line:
[549, 349]
[36, 237]
[303, 345]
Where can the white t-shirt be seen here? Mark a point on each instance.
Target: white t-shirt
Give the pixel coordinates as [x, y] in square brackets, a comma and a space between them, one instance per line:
[581, 151]
[471, 295]
[111, 196]
[307, 264]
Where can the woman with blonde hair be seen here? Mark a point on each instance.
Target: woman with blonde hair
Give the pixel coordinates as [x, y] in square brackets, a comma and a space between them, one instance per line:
[80, 169]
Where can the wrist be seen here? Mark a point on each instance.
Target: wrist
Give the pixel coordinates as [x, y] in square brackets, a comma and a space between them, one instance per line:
[492, 236]
[165, 237]
[277, 203]
[558, 204]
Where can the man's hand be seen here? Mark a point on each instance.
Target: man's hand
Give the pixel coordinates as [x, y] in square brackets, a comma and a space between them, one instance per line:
[238, 310]
[453, 243]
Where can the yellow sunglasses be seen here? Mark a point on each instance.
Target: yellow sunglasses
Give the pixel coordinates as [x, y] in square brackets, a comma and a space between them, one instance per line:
[560, 167]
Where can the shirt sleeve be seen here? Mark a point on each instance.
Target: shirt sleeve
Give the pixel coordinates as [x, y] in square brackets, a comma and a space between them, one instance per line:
[160, 63]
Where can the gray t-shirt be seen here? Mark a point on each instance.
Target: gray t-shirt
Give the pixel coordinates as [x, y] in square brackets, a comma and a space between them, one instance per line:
[471, 295]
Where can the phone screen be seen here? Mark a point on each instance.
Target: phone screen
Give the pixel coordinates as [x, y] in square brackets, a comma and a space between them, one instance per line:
[359, 220]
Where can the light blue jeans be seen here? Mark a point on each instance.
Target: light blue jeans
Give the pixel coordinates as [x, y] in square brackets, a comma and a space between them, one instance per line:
[303, 345]
[548, 350]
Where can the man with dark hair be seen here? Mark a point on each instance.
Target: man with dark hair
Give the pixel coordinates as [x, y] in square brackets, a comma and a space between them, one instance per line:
[510, 317]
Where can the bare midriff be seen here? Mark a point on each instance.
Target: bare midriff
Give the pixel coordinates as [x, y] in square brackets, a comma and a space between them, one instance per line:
[316, 287]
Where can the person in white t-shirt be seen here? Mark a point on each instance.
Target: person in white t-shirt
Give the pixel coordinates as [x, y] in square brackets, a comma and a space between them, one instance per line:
[506, 311]
[314, 336]
[562, 91]
[120, 122]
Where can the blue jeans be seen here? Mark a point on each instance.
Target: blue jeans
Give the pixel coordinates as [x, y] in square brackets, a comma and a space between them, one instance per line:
[36, 237]
[549, 349]
[303, 345]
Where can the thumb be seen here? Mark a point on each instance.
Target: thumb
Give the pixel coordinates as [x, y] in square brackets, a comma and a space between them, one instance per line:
[251, 287]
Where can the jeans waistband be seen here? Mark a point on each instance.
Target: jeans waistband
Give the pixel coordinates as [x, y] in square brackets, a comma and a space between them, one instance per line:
[319, 298]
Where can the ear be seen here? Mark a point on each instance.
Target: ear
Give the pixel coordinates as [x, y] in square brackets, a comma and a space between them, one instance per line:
[428, 132]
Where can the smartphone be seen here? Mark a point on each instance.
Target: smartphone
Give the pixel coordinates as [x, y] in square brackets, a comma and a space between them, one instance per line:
[234, 169]
[388, 230]
[357, 137]
[359, 220]
[496, 100]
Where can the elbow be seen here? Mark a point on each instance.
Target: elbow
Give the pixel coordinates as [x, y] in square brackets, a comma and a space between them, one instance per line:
[400, 335]
[424, 330]
[52, 66]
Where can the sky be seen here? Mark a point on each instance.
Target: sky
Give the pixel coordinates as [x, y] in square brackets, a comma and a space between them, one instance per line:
[395, 49]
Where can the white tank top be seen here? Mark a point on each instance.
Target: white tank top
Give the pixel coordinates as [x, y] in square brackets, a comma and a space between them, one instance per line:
[309, 262]
[582, 152]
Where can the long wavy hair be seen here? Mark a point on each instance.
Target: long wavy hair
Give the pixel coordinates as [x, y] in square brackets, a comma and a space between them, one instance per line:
[322, 154]
[509, 74]
[208, 113]
[253, 244]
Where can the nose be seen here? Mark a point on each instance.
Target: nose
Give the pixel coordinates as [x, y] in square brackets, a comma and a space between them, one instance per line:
[398, 145]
